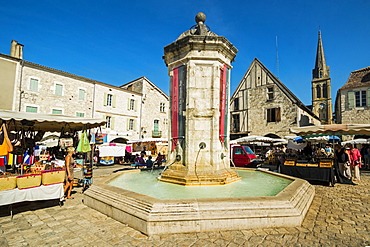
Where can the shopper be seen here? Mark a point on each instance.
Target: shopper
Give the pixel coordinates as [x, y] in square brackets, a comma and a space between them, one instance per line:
[69, 163]
[356, 160]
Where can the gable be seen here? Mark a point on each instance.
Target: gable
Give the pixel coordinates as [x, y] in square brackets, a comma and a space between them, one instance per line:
[258, 76]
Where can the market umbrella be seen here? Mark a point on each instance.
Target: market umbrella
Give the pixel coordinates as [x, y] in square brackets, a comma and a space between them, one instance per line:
[298, 139]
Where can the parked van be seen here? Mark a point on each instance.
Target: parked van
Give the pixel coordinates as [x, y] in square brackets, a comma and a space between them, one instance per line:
[243, 156]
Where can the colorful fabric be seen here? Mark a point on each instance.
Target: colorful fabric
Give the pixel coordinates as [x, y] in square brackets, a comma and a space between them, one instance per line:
[84, 143]
[3, 161]
[5, 144]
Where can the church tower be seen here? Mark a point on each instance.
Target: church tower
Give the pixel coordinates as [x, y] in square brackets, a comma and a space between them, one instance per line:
[321, 88]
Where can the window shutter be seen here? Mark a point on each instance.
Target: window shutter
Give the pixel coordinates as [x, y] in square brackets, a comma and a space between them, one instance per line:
[105, 98]
[277, 112]
[135, 124]
[128, 104]
[128, 124]
[351, 99]
[112, 123]
[114, 101]
[135, 105]
[368, 97]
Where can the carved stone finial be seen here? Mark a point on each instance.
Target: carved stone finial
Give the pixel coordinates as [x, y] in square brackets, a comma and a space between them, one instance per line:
[200, 18]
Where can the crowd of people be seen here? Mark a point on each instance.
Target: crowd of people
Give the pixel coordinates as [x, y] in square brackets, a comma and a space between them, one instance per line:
[348, 159]
[140, 160]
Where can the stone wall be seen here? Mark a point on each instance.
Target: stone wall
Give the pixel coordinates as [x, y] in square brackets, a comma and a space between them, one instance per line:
[356, 115]
[45, 98]
[259, 91]
[152, 97]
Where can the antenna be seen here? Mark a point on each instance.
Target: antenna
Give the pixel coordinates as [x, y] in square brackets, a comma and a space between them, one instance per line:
[277, 58]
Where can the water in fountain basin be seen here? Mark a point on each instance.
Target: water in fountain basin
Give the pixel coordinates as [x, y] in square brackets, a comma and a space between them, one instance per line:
[253, 183]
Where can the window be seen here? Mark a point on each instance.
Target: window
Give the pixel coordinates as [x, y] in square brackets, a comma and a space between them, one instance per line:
[31, 109]
[109, 99]
[132, 105]
[360, 98]
[325, 90]
[156, 125]
[162, 107]
[131, 124]
[108, 120]
[81, 94]
[236, 123]
[238, 150]
[80, 114]
[56, 111]
[273, 115]
[236, 104]
[34, 84]
[318, 91]
[270, 93]
[59, 89]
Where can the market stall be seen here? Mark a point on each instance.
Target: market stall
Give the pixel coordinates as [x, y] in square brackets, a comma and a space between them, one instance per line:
[40, 176]
[318, 163]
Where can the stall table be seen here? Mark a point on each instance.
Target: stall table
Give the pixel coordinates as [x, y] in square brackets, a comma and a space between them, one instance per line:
[307, 172]
[43, 192]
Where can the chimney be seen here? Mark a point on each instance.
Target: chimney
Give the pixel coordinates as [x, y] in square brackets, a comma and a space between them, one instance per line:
[16, 50]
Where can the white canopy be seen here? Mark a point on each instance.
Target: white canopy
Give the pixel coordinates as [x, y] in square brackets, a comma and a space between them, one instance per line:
[332, 129]
[49, 122]
[357, 141]
[149, 140]
[254, 139]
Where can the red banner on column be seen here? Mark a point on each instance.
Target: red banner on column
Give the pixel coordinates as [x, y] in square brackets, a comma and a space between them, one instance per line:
[223, 101]
[174, 107]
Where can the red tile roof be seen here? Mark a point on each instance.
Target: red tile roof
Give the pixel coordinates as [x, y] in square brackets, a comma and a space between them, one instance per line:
[358, 78]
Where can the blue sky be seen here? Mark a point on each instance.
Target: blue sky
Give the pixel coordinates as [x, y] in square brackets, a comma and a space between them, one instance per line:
[118, 41]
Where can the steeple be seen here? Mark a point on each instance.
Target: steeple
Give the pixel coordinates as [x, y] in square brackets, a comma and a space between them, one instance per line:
[320, 70]
[321, 86]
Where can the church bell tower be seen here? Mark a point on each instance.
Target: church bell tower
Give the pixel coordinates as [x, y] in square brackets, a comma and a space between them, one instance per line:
[321, 87]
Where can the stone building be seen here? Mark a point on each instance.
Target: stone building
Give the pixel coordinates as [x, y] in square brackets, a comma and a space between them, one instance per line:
[321, 87]
[262, 105]
[31, 87]
[154, 103]
[352, 103]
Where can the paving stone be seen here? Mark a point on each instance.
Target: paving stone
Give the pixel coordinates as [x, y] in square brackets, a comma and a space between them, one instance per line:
[338, 216]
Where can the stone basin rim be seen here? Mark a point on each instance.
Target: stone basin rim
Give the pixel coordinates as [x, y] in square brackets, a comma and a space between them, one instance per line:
[283, 194]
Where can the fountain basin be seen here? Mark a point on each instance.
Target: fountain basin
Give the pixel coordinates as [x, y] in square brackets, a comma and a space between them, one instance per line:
[154, 216]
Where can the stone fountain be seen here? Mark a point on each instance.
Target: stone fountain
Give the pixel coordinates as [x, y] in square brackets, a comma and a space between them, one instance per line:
[199, 64]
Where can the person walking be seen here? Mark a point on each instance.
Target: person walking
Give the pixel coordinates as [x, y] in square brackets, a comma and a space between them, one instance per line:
[69, 163]
[356, 160]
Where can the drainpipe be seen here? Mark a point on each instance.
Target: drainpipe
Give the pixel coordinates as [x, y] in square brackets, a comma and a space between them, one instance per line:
[141, 112]
[20, 86]
[93, 102]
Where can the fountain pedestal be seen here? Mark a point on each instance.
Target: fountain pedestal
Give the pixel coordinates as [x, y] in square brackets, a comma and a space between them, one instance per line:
[199, 66]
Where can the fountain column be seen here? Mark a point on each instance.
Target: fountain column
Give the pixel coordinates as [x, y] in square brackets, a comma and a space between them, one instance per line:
[199, 65]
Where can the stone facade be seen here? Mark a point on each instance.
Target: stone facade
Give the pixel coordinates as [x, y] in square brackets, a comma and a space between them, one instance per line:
[31, 87]
[154, 108]
[352, 104]
[262, 105]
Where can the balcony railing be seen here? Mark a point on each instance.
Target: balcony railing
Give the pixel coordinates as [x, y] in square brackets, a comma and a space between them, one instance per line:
[156, 133]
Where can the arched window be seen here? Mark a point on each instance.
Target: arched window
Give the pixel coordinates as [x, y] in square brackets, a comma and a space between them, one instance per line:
[318, 91]
[325, 90]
